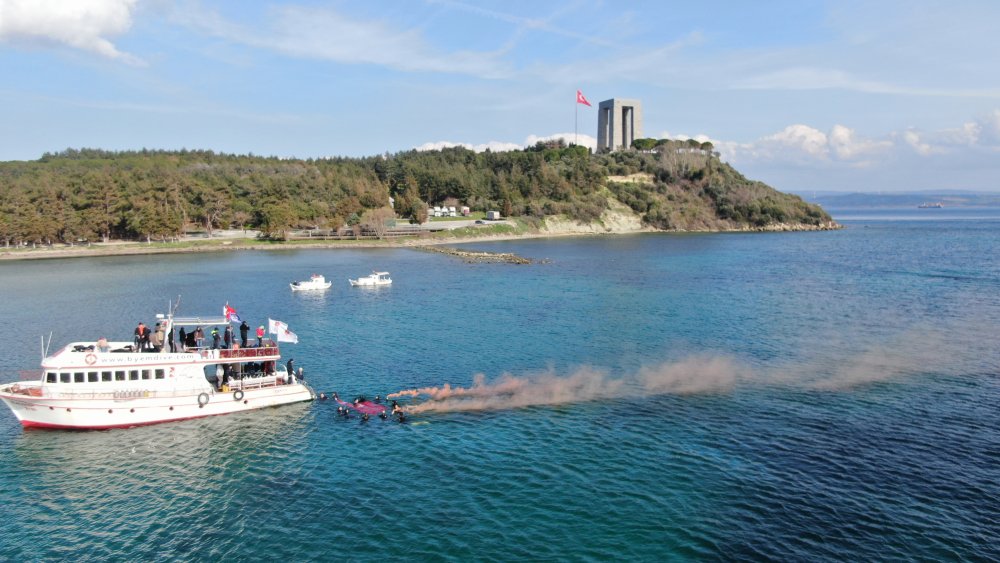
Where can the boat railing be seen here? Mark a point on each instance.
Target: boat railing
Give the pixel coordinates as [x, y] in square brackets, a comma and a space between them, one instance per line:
[268, 350]
[247, 383]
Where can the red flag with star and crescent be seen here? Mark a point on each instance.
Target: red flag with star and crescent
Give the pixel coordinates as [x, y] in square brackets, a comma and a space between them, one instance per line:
[580, 99]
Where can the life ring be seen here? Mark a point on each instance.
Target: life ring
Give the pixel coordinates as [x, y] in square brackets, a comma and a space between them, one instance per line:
[90, 358]
[202, 400]
[238, 395]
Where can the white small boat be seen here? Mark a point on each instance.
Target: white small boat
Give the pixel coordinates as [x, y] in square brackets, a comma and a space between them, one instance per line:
[315, 282]
[373, 279]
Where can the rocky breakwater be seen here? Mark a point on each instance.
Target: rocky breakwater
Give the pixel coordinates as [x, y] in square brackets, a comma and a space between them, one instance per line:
[473, 256]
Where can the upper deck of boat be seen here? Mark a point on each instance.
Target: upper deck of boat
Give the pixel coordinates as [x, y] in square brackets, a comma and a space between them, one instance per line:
[89, 354]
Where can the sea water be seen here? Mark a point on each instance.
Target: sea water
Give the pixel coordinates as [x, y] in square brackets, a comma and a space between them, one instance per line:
[788, 396]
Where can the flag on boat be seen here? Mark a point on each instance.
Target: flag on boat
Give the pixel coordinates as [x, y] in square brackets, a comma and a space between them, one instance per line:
[230, 314]
[580, 99]
[281, 331]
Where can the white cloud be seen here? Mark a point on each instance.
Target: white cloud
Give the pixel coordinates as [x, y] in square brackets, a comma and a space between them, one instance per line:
[912, 138]
[701, 138]
[570, 138]
[982, 134]
[990, 128]
[326, 34]
[502, 146]
[803, 144]
[80, 24]
[493, 146]
[800, 138]
[847, 146]
[802, 78]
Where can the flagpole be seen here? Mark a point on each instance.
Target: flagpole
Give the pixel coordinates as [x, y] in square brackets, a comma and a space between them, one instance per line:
[576, 118]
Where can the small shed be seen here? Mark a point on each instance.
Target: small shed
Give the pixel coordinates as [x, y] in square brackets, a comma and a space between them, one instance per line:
[493, 215]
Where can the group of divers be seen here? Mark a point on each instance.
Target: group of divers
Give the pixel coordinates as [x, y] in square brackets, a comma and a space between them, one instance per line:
[364, 406]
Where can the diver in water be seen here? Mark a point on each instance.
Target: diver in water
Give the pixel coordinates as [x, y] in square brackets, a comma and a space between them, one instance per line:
[401, 417]
[364, 417]
[378, 399]
[382, 415]
[322, 396]
[396, 409]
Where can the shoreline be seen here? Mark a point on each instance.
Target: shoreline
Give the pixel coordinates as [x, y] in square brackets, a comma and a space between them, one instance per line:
[229, 245]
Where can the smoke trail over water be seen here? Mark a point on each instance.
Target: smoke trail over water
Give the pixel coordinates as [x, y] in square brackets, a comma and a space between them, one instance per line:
[692, 375]
[834, 366]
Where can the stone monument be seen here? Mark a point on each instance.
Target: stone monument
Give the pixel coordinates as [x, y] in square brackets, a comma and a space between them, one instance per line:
[619, 122]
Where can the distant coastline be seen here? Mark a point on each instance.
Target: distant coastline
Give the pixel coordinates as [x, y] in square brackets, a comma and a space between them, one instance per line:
[552, 230]
[903, 200]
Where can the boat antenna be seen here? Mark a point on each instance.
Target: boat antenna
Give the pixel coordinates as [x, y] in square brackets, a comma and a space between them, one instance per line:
[173, 309]
[45, 347]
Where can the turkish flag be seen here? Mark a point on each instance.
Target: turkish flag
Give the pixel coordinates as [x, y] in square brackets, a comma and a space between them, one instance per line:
[582, 100]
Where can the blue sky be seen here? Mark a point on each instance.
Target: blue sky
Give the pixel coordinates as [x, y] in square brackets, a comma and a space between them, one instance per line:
[803, 95]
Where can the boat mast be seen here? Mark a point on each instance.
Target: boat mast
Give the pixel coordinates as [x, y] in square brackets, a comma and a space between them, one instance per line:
[45, 347]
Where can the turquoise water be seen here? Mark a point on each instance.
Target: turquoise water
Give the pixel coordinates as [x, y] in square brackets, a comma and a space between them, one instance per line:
[779, 396]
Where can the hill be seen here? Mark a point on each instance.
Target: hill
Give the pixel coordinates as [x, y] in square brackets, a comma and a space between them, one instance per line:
[95, 195]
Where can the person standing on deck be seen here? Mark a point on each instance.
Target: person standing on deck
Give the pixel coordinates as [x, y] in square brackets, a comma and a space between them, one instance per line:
[215, 338]
[227, 337]
[244, 331]
[141, 336]
[199, 338]
[157, 338]
[260, 336]
[170, 339]
[183, 338]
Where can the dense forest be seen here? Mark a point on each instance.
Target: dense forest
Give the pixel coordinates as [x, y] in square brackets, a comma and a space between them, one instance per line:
[95, 195]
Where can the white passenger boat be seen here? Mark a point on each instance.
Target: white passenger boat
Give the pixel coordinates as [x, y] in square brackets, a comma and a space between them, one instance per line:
[316, 282]
[372, 279]
[99, 385]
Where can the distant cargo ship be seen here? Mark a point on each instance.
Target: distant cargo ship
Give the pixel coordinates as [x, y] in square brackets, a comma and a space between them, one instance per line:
[936, 205]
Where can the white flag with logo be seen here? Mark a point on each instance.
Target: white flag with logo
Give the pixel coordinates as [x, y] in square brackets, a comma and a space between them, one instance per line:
[281, 332]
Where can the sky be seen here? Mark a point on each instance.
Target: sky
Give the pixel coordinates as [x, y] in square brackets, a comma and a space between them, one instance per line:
[870, 96]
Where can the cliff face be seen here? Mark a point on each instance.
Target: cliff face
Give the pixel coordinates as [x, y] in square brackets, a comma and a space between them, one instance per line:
[694, 193]
[619, 219]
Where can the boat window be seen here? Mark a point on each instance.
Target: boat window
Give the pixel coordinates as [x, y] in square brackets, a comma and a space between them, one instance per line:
[159, 373]
[105, 376]
[133, 375]
[92, 377]
[78, 377]
[145, 374]
[51, 377]
[119, 376]
[65, 377]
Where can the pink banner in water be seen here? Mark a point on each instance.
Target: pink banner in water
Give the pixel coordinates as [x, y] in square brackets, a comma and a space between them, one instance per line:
[366, 407]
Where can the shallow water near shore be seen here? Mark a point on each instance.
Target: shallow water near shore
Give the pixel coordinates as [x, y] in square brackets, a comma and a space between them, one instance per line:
[820, 395]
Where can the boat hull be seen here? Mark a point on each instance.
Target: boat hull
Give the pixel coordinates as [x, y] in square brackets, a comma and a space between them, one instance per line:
[314, 287]
[375, 279]
[106, 413]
